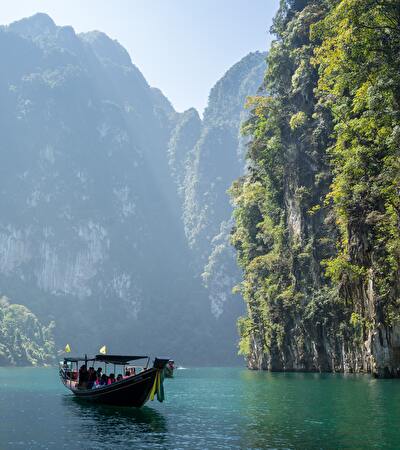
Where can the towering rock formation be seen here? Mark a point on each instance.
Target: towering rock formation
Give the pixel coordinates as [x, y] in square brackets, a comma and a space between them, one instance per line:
[97, 198]
[317, 216]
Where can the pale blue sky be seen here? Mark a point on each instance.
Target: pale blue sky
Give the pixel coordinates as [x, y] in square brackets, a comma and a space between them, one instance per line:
[181, 46]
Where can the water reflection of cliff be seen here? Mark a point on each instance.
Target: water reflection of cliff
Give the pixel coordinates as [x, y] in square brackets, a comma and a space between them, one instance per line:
[113, 427]
[310, 410]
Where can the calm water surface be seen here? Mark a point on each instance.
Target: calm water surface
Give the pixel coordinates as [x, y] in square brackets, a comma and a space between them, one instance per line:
[206, 409]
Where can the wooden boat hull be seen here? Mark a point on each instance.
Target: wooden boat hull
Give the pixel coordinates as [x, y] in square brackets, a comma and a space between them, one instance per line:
[132, 391]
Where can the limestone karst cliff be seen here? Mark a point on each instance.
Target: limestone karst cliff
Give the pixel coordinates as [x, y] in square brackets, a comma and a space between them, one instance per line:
[317, 216]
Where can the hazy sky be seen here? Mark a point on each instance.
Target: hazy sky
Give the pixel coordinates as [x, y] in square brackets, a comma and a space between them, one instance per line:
[181, 46]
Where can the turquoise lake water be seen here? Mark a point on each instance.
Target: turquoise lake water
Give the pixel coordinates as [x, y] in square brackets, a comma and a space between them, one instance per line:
[205, 408]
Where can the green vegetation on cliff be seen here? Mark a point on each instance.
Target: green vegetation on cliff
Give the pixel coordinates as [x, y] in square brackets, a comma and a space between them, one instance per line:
[317, 215]
[360, 82]
[23, 339]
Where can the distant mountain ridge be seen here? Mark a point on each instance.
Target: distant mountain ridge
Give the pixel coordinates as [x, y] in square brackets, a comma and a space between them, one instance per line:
[100, 182]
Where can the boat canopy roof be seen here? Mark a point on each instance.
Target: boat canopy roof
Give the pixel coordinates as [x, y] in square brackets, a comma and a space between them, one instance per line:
[111, 359]
[118, 359]
[78, 358]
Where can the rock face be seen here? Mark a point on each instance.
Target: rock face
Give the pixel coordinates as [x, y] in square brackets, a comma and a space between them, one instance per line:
[206, 156]
[97, 172]
[316, 217]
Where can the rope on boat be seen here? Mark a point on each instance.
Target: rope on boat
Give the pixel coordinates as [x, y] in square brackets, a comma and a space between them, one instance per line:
[158, 386]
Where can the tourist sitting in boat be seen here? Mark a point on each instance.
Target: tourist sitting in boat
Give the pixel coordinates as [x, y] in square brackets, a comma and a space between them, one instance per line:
[98, 373]
[119, 377]
[130, 371]
[92, 377]
[83, 377]
[104, 380]
[111, 378]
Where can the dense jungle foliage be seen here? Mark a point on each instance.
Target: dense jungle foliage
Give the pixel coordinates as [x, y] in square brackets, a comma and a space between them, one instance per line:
[23, 339]
[318, 214]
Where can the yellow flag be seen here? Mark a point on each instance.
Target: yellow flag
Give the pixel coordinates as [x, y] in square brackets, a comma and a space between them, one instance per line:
[103, 350]
[67, 349]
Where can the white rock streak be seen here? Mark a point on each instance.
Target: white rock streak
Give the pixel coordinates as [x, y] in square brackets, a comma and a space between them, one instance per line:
[71, 273]
[14, 249]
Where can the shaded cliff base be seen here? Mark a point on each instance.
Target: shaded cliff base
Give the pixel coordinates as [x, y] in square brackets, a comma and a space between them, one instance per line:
[379, 355]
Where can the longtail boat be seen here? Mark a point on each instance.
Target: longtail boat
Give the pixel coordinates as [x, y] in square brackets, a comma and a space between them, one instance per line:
[137, 385]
